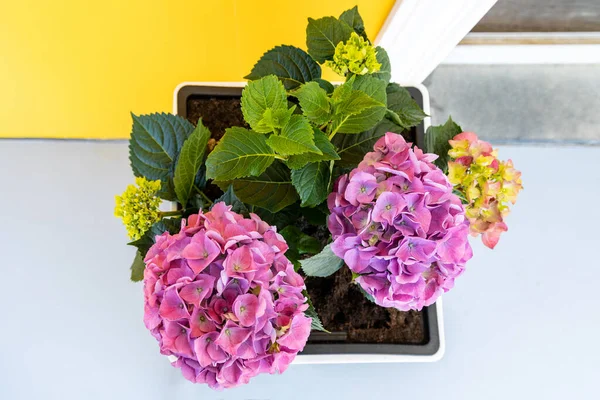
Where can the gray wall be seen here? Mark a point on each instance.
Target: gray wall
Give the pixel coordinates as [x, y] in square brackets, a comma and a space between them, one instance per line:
[524, 103]
[521, 323]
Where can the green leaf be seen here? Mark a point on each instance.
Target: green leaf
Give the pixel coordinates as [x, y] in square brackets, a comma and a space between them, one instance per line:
[195, 204]
[260, 95]
[323, 34]
[355, 103]
[316, 215]
[342, 91]
[167, 190]
[292, 234]
[312, 183]
[393, 117]
[296, 137]
[314, 102]
[143, 244]
[352, 148]
[137, 267]
[406, 110]
[239, 153]
[282, 218]
[316, 324]
[353, 18]
[363, 108]
[436, 141]
[300, 241]
[309, 245]
[323, 264]
[385, 72]
[461, 196]
[200, 180]
[232, 200]
[190, 161]
[154, 146]
[325, 85]
[357, 113]
[323, 143]
[367, 295]
[293, 66]
[372, 86]
[276, 119]
[272, 190]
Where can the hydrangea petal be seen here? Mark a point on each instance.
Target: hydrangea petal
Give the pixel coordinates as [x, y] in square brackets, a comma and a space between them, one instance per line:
[172, 307]
[245, 308]
[198, 290]
[232, 336]
[296, 336]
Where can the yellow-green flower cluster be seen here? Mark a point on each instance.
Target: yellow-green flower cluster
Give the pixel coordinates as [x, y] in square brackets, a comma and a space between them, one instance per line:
[138, 207]
[357, 56]
[487, 184]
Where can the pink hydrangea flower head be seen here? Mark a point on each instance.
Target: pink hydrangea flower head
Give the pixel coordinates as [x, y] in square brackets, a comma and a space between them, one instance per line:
[398, 226]
[223, 300]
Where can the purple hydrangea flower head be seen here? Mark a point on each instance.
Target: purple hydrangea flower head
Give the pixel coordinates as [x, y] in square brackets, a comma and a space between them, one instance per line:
[223, 300]
[398, 226]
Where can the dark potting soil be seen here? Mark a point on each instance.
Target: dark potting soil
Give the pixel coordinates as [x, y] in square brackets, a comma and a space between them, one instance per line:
[218, 113]
[343, 308]
[339, 302]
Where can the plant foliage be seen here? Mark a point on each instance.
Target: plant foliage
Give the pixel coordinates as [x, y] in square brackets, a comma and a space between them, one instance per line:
[304, 132]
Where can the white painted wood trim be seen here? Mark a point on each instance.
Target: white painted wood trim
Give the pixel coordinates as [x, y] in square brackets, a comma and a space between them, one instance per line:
[525, 54]
[530, 38]
[419, 34]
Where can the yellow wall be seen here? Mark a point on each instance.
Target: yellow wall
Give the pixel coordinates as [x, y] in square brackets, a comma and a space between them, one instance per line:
[74, 68]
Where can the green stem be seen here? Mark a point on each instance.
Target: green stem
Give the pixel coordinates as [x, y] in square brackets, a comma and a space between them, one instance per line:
[331, 165]
[333, 132]
[204, 196]
[279, 157]
[170, 213]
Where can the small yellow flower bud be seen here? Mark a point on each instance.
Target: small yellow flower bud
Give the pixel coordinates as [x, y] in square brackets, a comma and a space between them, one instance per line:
[138, 207]
[356, 56]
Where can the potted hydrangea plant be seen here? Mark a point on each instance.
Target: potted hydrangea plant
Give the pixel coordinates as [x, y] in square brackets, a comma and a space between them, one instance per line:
[295, 198]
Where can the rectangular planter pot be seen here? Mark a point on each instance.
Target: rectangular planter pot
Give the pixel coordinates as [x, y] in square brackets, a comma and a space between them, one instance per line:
[342, 353]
